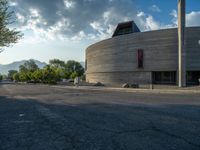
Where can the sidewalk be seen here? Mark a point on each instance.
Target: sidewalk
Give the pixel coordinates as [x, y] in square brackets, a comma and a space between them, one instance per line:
[188, 90]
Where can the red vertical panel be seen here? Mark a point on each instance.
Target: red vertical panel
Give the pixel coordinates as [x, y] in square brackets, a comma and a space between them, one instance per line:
[140, 58]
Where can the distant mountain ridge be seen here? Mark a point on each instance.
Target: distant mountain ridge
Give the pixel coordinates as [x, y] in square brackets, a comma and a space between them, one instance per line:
[15, 66]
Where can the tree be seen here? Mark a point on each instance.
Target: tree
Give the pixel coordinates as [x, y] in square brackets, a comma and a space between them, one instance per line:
[28, 66]
[57, 63]
[38, 75]
[7, 36]
[50, 76]
[11, 73]
[23, 77]
[74, 67]
[1, 77]
[16, 77]
[73, 75]
[22, 68]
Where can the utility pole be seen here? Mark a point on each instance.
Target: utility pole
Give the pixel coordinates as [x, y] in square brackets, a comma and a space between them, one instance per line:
[181, 44]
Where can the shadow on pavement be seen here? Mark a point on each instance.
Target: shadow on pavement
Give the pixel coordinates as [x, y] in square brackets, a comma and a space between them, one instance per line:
[30, 124]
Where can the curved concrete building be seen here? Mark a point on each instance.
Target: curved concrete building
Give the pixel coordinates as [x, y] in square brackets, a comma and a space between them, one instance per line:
[143, 58]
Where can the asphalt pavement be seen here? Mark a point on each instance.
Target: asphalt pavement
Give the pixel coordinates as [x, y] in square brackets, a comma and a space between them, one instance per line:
[38, 117]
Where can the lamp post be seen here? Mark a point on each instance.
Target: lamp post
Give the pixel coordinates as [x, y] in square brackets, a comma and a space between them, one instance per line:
[181, 44]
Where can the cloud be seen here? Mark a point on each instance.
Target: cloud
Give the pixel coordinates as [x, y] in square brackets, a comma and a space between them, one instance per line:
[155, 8]
[85, 19]
[67, 19]
[69, 4]
[147, 22]
[174, 15]
[13, 3]
[193, 18]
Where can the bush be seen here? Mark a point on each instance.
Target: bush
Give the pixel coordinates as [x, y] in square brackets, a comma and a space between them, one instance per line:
[23, 77]
[50, 74]
[16, 77]
[74, 75]
[11, 74]
[37, 76]
[83, 77]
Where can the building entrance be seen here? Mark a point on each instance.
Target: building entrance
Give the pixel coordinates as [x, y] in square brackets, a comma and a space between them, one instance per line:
[193, 77]
[167, 77]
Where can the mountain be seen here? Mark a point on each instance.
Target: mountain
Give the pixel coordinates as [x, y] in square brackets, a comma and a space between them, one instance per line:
[15, 66]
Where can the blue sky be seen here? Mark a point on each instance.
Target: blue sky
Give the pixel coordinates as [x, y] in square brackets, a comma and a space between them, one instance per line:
[65, 28]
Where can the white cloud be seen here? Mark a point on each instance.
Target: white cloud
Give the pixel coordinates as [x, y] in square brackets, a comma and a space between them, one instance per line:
[62, 22]
[13, 3]
[141, 14]
[104, 27]
[174, 15]
[151, 23]
[104, 30]
[155, 8]
[69, 4]
[193, 18]
[20, 17]
[34, 12]
[45, 18]
[96, 26]
[79, 36]
[147, 22]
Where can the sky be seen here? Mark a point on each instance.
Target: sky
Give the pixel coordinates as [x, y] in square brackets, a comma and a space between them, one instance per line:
[63, 29]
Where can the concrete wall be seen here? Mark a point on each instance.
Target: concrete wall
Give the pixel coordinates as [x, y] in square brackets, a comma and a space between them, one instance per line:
[117, 78]
[115, 60]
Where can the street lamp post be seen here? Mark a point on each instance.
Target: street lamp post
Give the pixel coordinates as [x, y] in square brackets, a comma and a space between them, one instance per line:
[181, 44]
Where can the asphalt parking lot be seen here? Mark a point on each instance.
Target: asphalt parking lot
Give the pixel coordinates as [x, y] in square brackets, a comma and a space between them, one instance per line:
[36, 117]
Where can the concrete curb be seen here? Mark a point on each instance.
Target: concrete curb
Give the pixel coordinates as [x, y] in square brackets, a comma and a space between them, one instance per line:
[164, 91]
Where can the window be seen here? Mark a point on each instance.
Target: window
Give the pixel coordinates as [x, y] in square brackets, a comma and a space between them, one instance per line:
[86, 65]
[140, 58]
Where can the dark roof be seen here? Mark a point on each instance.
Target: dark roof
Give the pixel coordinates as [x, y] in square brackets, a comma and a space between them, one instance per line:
[126, 28]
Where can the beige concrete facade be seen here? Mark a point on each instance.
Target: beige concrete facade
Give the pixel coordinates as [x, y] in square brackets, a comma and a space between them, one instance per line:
[114, 61]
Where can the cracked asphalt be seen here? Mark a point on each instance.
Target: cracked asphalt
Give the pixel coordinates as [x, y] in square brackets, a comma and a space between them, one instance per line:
[37, 117]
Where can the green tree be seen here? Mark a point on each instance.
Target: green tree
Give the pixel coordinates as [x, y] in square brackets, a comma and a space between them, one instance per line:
[11, 73]
[67, 75]
[74, 67]
[29, 76]
[22, 68]
[38, 75]
[23, 77]
[57, 63]
[16, 77]
[7, 36]
[50, 76]
[28, 66]
[1, 77]
[73, 75]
